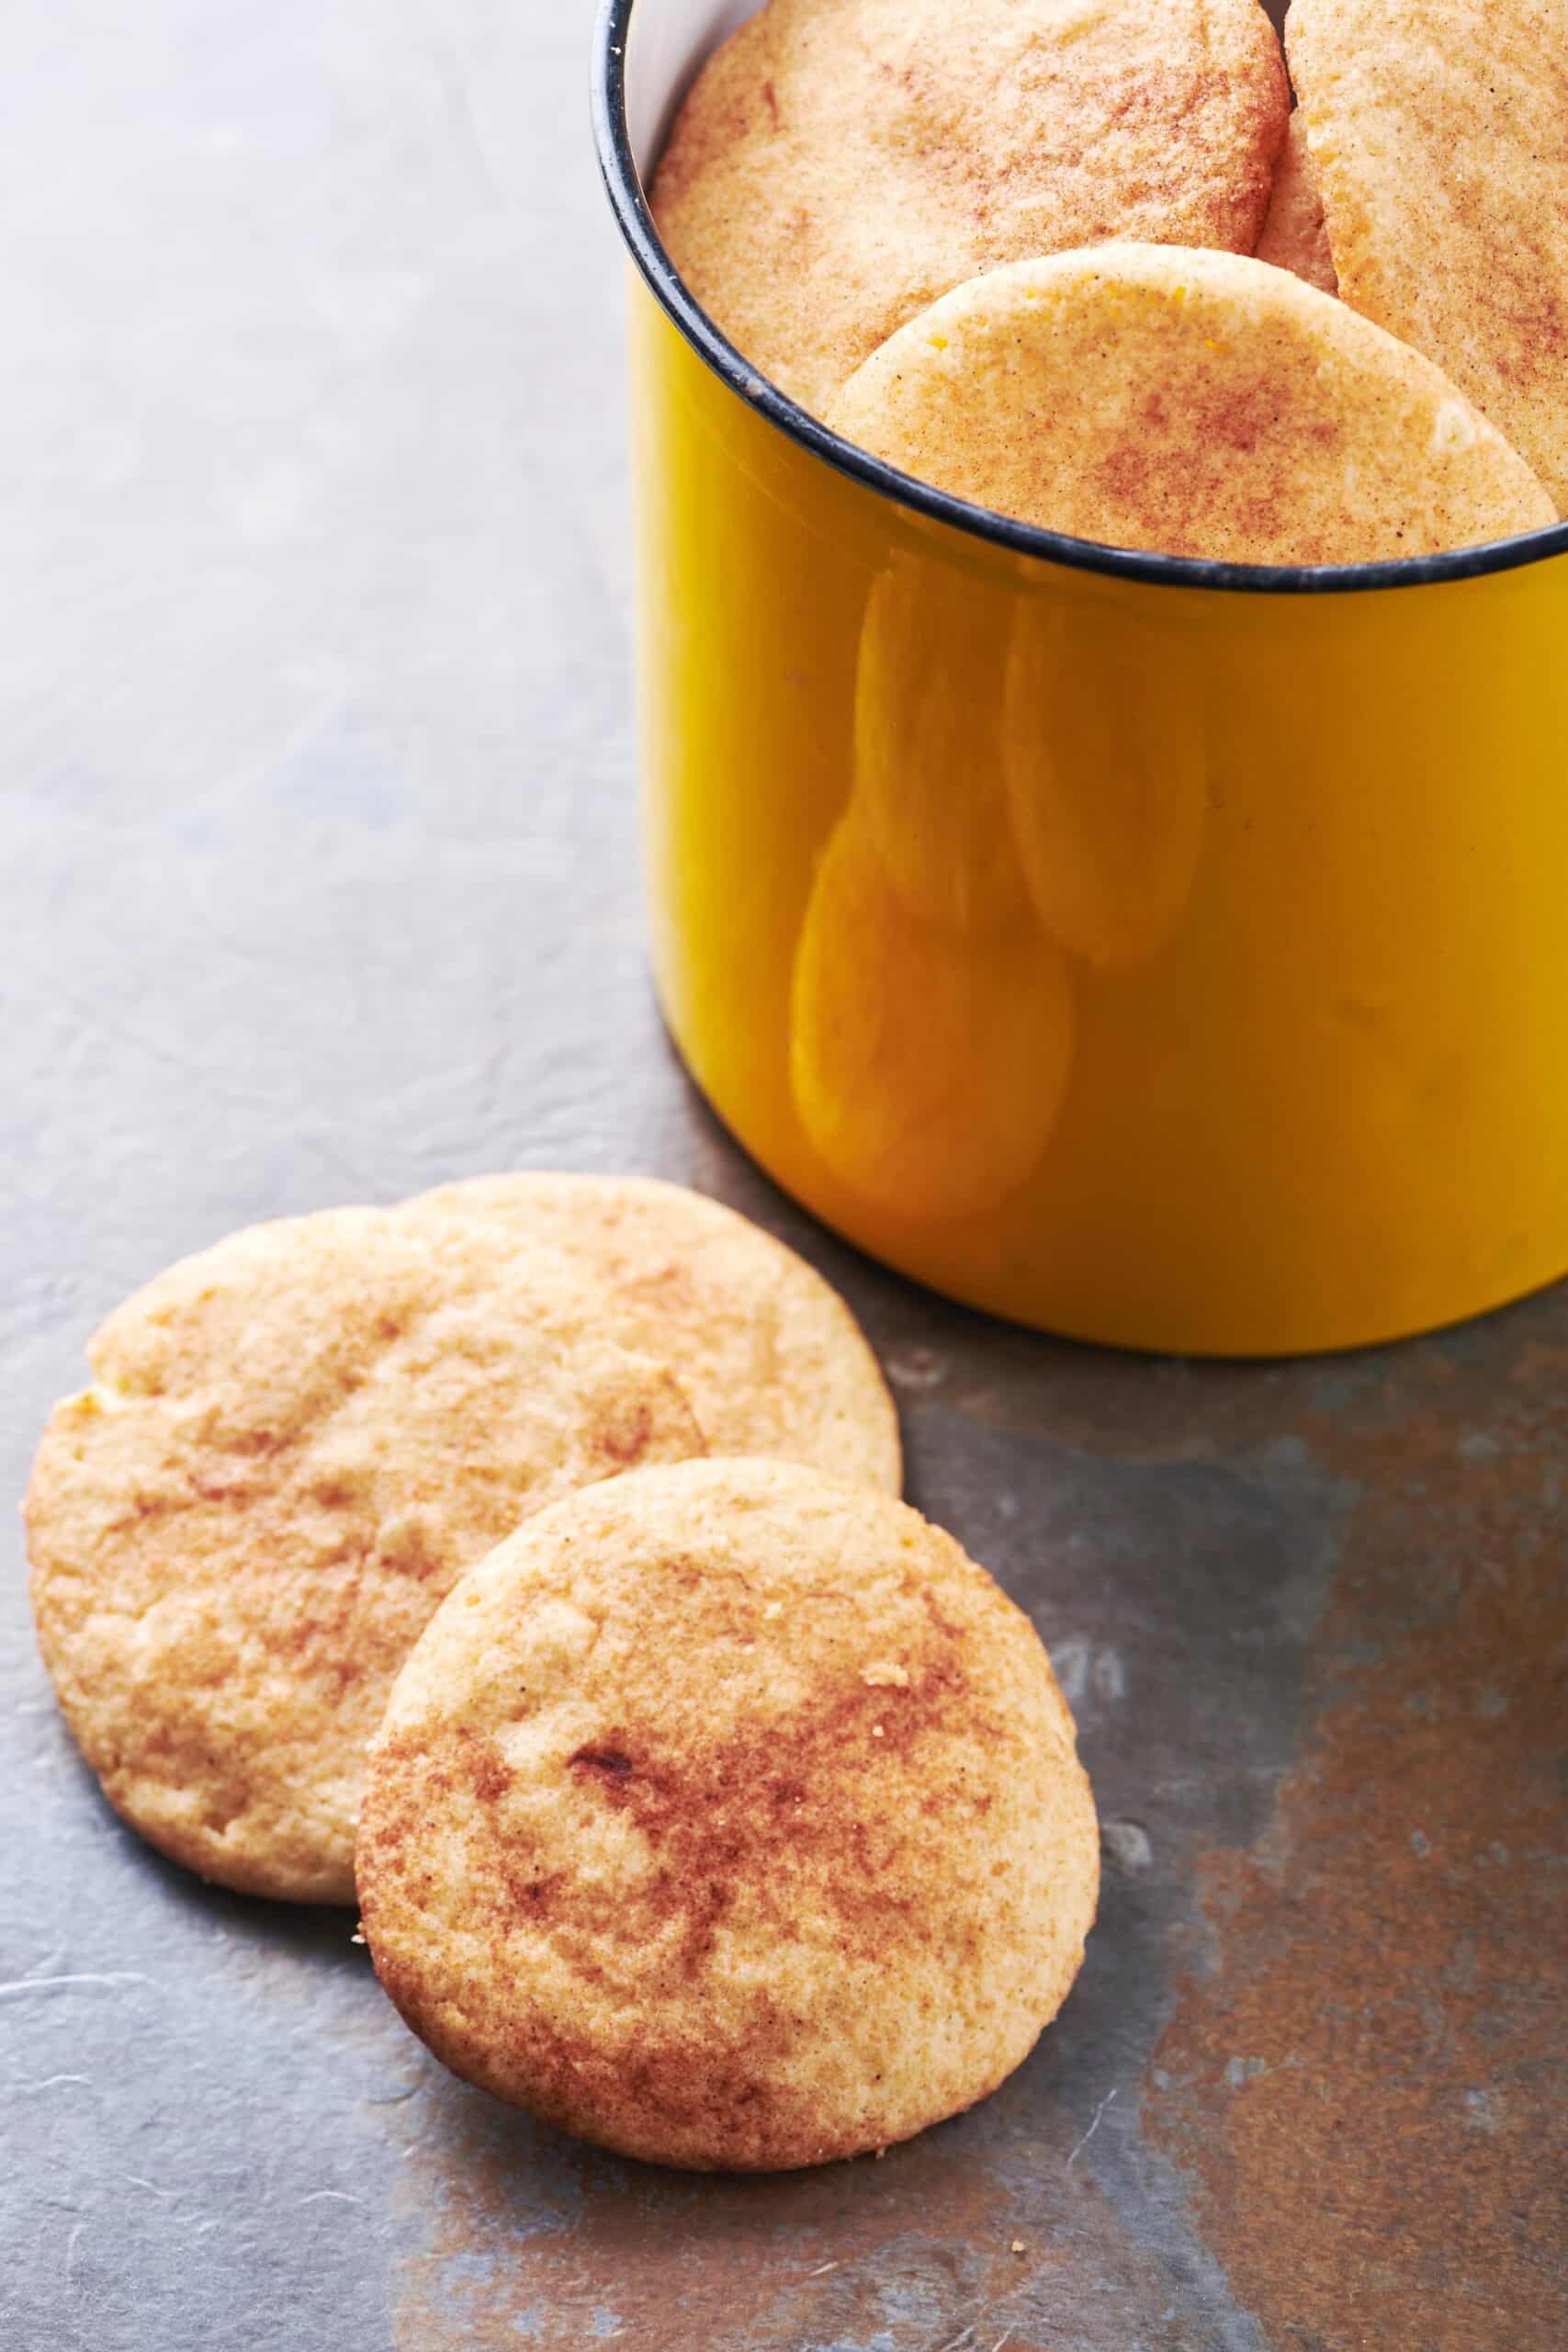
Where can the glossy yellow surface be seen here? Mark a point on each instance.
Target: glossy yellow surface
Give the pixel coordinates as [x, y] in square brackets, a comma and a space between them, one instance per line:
[1172, 968]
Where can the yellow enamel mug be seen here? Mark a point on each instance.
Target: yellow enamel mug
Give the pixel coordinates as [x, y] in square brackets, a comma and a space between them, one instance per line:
[1163, 953]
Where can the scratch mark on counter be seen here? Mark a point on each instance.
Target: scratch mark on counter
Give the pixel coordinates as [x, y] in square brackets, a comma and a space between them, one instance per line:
[113, 1979]
[1093, 2128]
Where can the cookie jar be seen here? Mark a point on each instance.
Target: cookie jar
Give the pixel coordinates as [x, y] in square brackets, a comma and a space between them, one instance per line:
[1162, 953]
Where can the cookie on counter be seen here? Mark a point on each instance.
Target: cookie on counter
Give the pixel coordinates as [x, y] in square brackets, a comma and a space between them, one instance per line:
[293, 1446]
[731, 1818]
[1190, 404]
[839, 163]
[773, 1360]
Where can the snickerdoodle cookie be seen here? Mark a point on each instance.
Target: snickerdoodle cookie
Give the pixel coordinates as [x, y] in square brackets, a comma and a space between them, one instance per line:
[1195, 403]
[1438, 132]
[771, 1359]
[730, 1816]
[294, 1444]
[839, 163]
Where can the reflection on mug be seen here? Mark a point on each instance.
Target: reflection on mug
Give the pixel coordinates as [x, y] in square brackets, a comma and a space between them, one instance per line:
[927, 1069]
[927, 786]
[1106, 780]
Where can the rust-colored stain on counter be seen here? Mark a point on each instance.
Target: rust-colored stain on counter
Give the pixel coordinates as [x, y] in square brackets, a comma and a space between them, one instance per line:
[1310, 2094]
[1365, 2085]
[525, 2237]
[670, 2262]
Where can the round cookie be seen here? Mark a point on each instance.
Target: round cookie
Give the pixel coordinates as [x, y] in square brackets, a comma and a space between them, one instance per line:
[1194, 404]
[295, 1445]
[730, 1817]
[770, 1357]
[839, 163]
[1440, 134]
[1295, 236]
[928, 1070]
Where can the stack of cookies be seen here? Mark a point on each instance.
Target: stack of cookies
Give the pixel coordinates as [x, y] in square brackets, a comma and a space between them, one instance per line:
[1076, 261]
[526, 1562]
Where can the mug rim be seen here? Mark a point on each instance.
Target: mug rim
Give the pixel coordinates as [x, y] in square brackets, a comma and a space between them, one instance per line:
[613, 141]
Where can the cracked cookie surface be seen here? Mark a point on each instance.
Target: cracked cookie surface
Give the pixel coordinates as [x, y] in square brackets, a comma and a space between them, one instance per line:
[841, 163]
[770, 1357]
[731, 1818]
[296, 1444]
